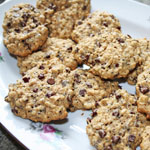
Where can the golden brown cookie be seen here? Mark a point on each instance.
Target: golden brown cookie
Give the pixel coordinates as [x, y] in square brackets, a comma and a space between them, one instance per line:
[54, 47]
[116, 124]
[97, 22]
[145, 145]
[41, 94]
[89, 89]
[109, 55]
[143, 92]
[144, 45]
[62, 15]
[24, 30]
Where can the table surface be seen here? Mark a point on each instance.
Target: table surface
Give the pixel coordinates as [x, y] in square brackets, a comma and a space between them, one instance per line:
[7, 142]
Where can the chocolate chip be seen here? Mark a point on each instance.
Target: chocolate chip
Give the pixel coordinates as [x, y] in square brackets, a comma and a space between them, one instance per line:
[129, 36]
[52, 6]
[77, 50]
[79, 22]
[26, 79]
[117, 65]
[135, 104]
[89, 85]
[119, 28]
[105, 24]
[120, 40]
[76, 78]
[116, 113]
[69, 98]
[112, 16]
[131, 138]
[35, 90]
[109, 147]
[132, 112]
[118, 96]
[69, 49]
[22, 24]
[50, 94]
[41, 76]
[25, 17]
[94, 113]
[8, 24]
[88, 120]
[67, 70]
[23, 74]
[91, 35]
[98, 44]
[82, 92]
[84, 7]
[115, 139]
[26, 44]
[96, 104]
[41, 67]
[15, 111]
[51, 81]
[97, 60]
[47, 56]
[120, 87]
[102, 133]
[17, 30]
[85, 58]
[34, 20]
[53, 93]
[143, 90]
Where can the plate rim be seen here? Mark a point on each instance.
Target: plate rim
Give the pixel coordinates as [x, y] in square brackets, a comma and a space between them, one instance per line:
[1, 123]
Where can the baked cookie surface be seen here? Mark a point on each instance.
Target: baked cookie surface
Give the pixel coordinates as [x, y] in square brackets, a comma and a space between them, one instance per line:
[43, 93]
[24, 30]
[116, 124]
[145, 145]
[61, 16]
[142, 91]
[53, 47]
[110, 55]
[144, 45]
[97, 22]
[89, 89]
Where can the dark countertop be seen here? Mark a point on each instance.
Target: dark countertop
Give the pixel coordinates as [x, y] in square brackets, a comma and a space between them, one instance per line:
[7, 142]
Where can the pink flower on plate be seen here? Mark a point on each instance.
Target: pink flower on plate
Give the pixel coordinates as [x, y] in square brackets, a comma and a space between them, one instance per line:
[1, 58]
[48, 129]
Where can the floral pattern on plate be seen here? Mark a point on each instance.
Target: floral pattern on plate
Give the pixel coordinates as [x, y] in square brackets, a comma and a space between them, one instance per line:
[48, 133]
[1, 57]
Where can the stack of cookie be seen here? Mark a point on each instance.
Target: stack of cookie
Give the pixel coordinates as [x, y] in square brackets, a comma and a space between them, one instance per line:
[50, 42]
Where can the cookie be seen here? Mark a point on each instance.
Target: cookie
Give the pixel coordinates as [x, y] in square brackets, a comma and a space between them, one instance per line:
[142, 91]
[43, 93]
[24, 31]
[144, 45]
[109, 55]
[145, 145]
[54, 47]
[89, 89]
[96, 22]
[61, 16]
[116, 124]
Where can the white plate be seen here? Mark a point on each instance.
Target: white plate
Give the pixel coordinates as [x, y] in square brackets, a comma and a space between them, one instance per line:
[69, 134]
